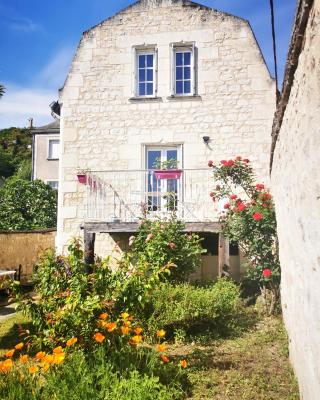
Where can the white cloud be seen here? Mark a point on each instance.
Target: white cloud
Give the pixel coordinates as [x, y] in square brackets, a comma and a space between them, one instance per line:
[24, 25]
[18, 104]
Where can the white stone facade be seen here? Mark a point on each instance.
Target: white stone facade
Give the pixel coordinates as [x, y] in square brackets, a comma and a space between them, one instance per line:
[102, 129]
[296, 189]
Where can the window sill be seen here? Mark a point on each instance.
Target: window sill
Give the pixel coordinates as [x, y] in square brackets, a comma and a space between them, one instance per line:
[52, 159]
[189, 97]
[144, 99]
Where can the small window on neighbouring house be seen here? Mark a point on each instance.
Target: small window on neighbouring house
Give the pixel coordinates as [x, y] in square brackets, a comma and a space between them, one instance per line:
[53, 150]
[53, 184]
[146, 73]
[183, 76]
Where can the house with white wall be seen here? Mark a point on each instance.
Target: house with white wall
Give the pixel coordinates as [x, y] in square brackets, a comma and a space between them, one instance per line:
[161, 80]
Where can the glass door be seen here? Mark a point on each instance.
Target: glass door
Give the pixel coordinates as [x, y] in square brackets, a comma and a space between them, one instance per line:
[162, 194]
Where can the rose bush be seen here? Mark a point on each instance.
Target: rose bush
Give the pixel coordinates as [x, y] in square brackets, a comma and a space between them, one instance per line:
[248, 218]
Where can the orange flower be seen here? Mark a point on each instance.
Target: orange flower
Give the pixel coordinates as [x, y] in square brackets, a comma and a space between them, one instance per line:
[138, 330]
[10, 353]
[48, 359]
[24, 358]
[45, 367]
[33, 369]
[124, 315]
[125, 330]
[135, 340]
[161, 348]
[58, 350]
[164, 358]
[161, 333]
[6, 365]
[40, 355]
[58, 358]
[111, 326]
[99, 337]
[72, 341]
[19, 346]
[102, 324]
[126, 323]
[103, 316]
[183, 363]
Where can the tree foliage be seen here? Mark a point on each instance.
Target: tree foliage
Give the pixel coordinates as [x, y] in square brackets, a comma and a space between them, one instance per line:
[27, 205]
[2, 90]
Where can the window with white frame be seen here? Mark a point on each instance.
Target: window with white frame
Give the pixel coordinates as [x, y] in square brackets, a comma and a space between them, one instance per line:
[183, 70]
[146, 70]
[53, 184]
[53, 149]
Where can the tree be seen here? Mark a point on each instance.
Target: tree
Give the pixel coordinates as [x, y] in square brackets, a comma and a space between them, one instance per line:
[2, 90]
[27, 205]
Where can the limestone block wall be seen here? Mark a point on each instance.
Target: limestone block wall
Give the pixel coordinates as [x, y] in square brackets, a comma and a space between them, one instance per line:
[24, 248]
[101, 129]
[296, 189]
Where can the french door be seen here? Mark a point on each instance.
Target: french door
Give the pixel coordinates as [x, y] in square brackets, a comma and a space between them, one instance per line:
[163, 195]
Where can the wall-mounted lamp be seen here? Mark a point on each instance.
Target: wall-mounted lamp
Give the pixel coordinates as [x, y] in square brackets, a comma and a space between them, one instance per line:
[206, 139]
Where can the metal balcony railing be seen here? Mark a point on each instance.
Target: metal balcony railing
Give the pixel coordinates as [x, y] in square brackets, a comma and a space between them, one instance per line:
[124, 196]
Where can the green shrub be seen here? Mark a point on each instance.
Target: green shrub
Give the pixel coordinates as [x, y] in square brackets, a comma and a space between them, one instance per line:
[160, 242]
[188, 309]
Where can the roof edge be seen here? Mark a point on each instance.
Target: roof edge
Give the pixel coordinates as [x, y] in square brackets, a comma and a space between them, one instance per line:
[295, 48]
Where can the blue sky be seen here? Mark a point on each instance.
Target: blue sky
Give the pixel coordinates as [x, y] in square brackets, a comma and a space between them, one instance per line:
[39, 38]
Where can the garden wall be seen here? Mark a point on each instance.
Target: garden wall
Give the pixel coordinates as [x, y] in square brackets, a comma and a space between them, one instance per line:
[24, 248]
[296, 190]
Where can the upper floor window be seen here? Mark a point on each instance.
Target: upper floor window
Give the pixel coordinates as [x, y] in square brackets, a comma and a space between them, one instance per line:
[183, 78]
[146, 73]
[53, 184]
[53, 149]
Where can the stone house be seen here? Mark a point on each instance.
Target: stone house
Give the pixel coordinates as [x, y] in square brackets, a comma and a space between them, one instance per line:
[295, 182]
[161, 81]
[46, 152]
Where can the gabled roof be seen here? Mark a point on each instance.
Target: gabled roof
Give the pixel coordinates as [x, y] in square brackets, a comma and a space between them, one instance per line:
[53, 127]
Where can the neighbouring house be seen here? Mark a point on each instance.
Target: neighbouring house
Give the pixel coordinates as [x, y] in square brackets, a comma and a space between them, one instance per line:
[295, 181]
[160, 82]
[45, 153]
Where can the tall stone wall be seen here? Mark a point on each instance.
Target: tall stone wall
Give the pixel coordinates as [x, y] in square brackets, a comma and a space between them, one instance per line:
[101, 129]
[24, 248]
[296, 189]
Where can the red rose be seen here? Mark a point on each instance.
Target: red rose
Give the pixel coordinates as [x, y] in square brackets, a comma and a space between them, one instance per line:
[211, 194]
[230, 163]
[210, 163]
[233, 196]
[267, 273]
[226, 206]
[259, 186]
[224, 162]
[246, 160]
[257, 216]
[241, 207]
[238, 158]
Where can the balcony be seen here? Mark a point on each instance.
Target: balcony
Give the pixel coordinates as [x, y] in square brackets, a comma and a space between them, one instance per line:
[125, 196]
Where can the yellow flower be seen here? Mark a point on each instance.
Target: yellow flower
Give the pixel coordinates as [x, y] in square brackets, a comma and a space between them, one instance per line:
[45, 367]
[103, 316]
[58, 358]
[111, 326]
[164, 358]
[124, 315]
[58, 350]
[183, 363]
[99, 337]
[10, 353]
[126, 323]
[161, 333]
[19, 346]
[72, 341]
[161, 348]
[135, 340]
[33, 369]
[138, 330]
[24, 358]
[48, 359]
[125, 330]
[40, 355]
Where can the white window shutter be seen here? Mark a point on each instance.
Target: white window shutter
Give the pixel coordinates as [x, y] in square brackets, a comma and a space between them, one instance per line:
[155, 77]
[172, 65]
[194, 70]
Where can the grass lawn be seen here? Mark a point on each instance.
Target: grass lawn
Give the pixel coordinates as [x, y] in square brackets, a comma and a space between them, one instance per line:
[252, 366]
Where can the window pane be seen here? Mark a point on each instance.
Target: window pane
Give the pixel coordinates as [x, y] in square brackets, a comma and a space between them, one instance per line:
[187, 72]
[150, 60]
[172, 155]
[54, 149]
[187, 87]
[153, 155]
[149, 88]
[187, 58]
[142, 61]
[179, 87]
[142, 90]
[179, 58]
[53, 184]
[142, 75]
[179, 73]
[150, 75]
